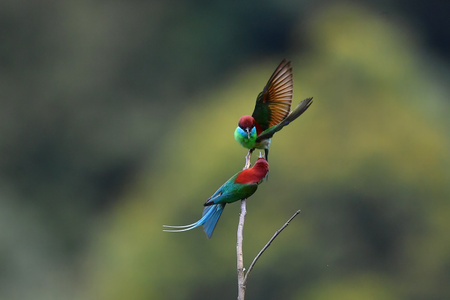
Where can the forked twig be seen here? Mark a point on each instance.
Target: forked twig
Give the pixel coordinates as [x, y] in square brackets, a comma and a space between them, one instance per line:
[242, 275]
[267, 245]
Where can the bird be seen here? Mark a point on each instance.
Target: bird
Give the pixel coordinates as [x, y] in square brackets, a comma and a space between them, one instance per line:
[271, 113]
[240, 186]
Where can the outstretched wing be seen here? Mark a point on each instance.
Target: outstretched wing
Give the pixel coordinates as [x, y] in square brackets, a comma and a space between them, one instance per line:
[274, 102]
[301, 108]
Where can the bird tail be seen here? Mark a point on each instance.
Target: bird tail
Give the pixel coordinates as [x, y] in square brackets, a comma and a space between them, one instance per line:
[301, 108]
[209, 219]
[213, 212]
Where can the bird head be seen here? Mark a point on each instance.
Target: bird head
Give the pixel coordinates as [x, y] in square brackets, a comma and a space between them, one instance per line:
[255, 174]
[247, 123]
[262, 164]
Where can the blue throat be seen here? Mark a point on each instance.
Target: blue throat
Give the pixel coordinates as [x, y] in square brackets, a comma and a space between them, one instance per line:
[243, 133]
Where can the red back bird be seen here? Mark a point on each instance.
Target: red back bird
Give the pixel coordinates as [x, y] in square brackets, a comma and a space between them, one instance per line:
[240, 186]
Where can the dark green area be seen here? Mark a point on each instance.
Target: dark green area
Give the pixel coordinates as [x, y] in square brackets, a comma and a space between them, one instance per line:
[118, 117]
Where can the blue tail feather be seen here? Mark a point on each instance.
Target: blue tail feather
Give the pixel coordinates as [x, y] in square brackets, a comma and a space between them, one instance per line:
[214, 212]
[209, 219]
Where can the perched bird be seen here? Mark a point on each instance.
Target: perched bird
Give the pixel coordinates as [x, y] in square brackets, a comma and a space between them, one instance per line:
[272, 111]
[241, 186]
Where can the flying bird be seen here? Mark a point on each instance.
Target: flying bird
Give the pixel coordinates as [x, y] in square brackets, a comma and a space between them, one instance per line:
[272, 111]
[240, 186]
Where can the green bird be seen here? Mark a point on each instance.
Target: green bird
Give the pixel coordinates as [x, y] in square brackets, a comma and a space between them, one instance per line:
[272, 111]
[240, 186]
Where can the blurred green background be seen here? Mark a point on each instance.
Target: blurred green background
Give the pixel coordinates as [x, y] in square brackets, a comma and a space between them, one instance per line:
[118, 117]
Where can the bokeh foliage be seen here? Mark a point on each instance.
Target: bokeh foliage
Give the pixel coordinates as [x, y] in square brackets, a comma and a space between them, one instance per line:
[367, 164]
[119, 118]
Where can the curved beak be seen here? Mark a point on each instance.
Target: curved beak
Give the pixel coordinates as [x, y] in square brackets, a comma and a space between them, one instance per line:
[248, 132]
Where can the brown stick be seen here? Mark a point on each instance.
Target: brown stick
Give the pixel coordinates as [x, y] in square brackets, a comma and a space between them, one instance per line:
[267, 246]
[242, 275]
[240, 256]
[240, 239]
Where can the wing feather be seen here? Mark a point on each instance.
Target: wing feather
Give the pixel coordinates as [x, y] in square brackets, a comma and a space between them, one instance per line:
[274, 102]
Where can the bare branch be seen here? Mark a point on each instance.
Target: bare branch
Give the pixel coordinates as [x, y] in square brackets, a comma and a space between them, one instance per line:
[240, 238]
[247, 159]
[242, 275]
[240, 257]
[267, 246]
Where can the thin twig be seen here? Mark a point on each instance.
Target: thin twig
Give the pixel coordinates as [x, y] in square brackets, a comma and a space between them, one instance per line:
[242, 275]
[240, 257]
[267, 246]
[240, 238]
[247, 159]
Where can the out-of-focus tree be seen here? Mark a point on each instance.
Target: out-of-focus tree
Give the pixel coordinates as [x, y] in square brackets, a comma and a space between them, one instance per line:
[367, 164]
[94, 95]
